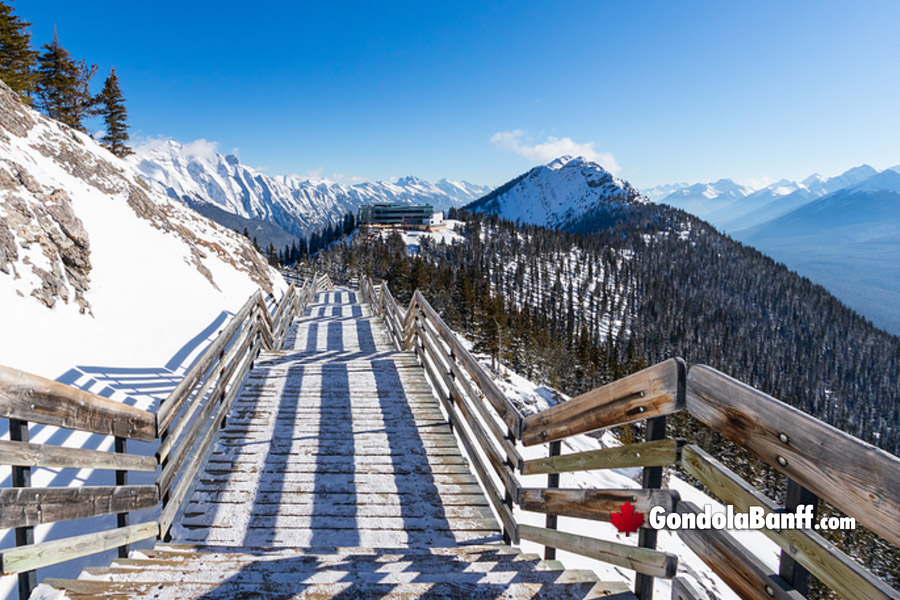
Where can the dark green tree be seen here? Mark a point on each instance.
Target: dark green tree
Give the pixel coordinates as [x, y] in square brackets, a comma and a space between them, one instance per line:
[110, 104]
[63, 85]
[17, 59]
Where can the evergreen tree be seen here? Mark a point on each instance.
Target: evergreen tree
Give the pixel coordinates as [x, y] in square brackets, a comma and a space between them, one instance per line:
[111, 106]
[17, 59]
[63, 85]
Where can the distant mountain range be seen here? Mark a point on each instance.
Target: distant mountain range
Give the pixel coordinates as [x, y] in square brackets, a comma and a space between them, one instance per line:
[277, 209]
[842, 232]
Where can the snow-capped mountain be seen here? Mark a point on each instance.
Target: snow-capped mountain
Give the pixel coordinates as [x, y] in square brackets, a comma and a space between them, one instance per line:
[702, 199]
[212, 183]
[771, 202]
[559, 193]
[95, 266]
[848, 241]
[731, 206]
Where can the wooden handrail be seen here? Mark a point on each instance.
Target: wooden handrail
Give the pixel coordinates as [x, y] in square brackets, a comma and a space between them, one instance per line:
[185, 423]
[852, 475]
[855, 477]
[33, 398]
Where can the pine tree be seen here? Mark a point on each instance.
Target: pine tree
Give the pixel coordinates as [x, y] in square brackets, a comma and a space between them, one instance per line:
[17, 59]
[111, 106]
[63, 85]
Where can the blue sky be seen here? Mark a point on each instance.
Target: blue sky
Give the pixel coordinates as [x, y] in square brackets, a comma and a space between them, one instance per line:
[660, 91]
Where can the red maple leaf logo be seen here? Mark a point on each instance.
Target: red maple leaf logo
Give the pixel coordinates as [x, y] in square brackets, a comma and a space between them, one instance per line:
[626, 520]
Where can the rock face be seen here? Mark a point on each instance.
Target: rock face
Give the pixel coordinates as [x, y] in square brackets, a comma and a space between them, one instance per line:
[45, 248]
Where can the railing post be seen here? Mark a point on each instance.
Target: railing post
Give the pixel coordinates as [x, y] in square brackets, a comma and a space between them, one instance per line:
[651, 480]
[121, 479]
[552, 482]
[21, 477]
[789, 569]
[507, 494]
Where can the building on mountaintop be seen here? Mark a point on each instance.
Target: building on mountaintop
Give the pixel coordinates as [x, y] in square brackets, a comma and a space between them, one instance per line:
[402, 216]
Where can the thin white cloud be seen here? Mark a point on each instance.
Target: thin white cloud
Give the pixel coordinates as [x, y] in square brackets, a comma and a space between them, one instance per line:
[519, 142]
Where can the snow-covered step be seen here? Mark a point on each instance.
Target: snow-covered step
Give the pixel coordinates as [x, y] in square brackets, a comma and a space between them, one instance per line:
[336, 476]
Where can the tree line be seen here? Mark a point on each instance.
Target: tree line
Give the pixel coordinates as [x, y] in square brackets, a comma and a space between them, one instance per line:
[59, 85]
[641, 284]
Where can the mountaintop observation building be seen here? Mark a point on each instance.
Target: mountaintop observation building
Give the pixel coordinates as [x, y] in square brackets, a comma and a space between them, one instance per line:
[401, 216]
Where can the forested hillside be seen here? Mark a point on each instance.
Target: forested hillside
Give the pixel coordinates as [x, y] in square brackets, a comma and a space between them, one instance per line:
[580, 309]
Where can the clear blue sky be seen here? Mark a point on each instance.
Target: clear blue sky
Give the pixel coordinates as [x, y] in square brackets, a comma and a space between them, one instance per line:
[673, 91]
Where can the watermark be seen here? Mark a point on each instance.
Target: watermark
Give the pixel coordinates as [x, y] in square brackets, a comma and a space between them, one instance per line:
[627, 520]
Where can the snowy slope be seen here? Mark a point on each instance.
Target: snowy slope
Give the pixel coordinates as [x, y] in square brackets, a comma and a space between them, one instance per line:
[106, 285]
[96, 267]
[558, 193]
[199, 176]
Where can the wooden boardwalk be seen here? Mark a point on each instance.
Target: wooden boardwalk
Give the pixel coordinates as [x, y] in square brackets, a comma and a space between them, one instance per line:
[336, 476]
[337, 440]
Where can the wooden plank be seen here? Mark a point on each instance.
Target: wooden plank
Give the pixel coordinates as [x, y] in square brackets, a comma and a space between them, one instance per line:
[646, 454]
[21, 507]
[468, 395]
[504, 407]
[173, 403]
[739, 568]
[181, 452]
[855, 477]
[177, 495]
[497, 462]
[685, 589]
[596, 504]
[54, 457]
[652, 392]
[825, 561]
[174, 431]
[26, 558]
[642, 560]
[32, 398]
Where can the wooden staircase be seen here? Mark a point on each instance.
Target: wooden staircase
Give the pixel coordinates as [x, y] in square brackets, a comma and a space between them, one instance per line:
[176, 572]
[335, 476]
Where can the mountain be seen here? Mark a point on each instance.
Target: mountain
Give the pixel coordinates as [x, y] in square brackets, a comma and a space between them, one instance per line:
[95, 266]
[732, 207]
[702, 199]
[218, 185]
[848, 241]
[813, 187]
[559, 194]
[632, 283]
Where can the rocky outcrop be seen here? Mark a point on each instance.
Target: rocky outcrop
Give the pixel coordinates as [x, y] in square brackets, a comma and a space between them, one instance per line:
[40, 226]
[45, 247]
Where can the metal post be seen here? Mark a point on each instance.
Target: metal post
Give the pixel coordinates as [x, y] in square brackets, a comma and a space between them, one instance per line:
[552, 482]
[507, 496]
[789, 569]
[121, 479]
[21, 477]
[652, 480]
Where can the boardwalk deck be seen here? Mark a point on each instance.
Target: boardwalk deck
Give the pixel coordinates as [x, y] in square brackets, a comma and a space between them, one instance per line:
[337, 440]
[336, 476]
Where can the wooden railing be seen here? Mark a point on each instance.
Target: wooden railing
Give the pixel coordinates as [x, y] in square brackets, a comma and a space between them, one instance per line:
[185, 425]
[819, 461]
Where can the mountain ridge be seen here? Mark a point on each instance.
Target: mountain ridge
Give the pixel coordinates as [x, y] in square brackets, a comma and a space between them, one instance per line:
[296, 205]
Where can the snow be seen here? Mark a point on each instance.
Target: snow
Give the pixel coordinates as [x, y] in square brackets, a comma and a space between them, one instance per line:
[555, 193]
[446, 235]
[152, 311]
[530, 398]
[196, 173]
